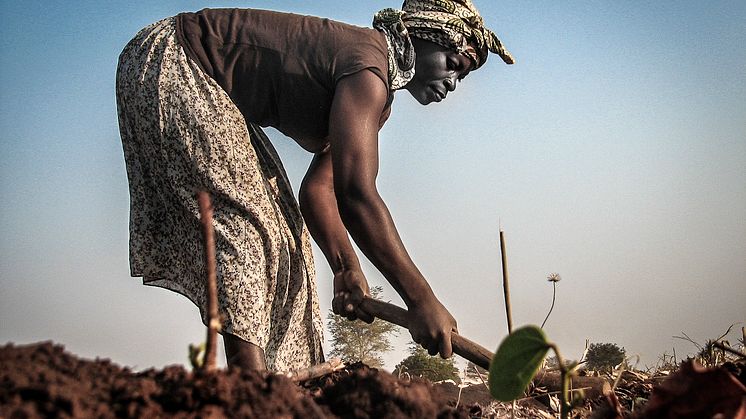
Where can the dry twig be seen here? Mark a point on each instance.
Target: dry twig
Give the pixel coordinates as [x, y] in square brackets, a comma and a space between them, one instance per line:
[506, 287]
[727, 348]
[205, 210]
[315, 371]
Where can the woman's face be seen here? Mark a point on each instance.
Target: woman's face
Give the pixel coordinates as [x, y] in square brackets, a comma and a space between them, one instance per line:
[437, 71]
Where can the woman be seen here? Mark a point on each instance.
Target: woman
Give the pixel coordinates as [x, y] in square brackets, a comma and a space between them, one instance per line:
[192, 94]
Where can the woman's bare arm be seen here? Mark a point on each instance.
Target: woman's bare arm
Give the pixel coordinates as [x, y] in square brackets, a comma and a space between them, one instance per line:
[353, 136]
[319, 207]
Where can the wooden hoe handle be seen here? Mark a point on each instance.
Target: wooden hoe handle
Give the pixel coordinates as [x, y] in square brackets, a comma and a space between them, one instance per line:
[399, 316]
[594, 386]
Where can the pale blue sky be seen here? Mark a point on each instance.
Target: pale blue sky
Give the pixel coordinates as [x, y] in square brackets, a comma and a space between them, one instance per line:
[612, 152]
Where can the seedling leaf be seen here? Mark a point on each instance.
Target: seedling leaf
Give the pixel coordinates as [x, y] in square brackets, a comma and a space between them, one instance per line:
[516, 362]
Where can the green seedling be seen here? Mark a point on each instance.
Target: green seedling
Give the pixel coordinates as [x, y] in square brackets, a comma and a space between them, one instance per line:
[522, 353]
[517, 361]
[196, 355]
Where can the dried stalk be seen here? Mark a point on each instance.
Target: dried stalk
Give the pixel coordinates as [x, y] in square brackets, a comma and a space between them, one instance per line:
[479, 374]
[506, 288]
[205, 210]
[315, 371]
[727, 348]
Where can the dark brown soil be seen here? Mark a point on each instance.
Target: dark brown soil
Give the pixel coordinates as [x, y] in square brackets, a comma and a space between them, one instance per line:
[42, 380]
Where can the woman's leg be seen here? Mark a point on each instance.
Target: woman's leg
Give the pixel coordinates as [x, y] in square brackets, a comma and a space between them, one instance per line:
[242, 354]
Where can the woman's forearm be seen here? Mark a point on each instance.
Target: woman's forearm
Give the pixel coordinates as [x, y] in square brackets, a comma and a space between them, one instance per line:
[354, 119]
[319, 207]
[366, 217]
[370, 224]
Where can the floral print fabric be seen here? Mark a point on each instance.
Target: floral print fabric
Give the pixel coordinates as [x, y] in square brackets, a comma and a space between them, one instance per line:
[181, 133]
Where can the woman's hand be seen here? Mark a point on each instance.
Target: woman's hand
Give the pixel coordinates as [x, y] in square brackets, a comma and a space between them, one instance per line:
[350, 287]
[430, 325]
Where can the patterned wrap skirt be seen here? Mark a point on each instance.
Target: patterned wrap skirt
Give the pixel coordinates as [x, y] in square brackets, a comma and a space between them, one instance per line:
[181, 133]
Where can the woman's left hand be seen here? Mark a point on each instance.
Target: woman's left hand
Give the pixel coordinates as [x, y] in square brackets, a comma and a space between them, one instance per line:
[350, 287]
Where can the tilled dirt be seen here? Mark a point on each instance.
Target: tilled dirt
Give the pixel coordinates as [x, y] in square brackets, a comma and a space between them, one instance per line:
[42, 380]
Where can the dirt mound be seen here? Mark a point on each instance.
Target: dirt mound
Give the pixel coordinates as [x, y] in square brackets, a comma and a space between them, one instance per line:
[42, 380]
[362, 392]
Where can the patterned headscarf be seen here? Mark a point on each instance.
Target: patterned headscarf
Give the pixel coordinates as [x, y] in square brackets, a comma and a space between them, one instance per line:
[453, 24]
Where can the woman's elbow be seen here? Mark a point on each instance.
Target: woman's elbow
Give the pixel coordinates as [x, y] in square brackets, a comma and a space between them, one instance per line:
[352, 200]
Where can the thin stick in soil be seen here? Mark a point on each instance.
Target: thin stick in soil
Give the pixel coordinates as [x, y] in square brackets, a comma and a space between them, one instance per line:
[205, 210]
[506, 287]
[315, 371]
[726, 348]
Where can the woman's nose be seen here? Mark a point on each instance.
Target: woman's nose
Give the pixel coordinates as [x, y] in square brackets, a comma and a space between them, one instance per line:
[450, 83]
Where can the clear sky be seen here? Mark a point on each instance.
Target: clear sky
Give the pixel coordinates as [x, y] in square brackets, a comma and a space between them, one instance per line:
[613, 152]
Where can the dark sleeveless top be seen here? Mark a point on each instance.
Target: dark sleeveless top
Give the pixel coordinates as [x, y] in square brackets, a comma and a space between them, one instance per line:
[281, 69]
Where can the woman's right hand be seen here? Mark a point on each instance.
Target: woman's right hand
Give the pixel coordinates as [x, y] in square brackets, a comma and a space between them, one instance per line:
[430, 325]
[350, 287]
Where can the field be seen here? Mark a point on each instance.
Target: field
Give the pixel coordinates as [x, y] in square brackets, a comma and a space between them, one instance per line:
[43, 380]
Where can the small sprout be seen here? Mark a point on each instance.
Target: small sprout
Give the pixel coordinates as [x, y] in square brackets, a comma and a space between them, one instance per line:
[577, 398]
[196, 353]
[516, 362]
[554, 277]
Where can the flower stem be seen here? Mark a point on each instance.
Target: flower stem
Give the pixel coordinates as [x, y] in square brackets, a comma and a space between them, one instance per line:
[554, 293]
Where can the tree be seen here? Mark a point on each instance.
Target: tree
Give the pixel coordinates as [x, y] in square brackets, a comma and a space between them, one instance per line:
[420, 364]
[604, 356]
[359, 341]
[551, 362]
